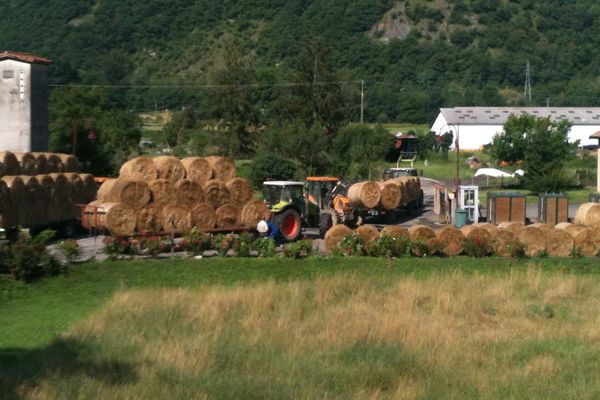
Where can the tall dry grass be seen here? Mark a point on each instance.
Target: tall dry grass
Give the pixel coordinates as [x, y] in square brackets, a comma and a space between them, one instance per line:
[528, 334]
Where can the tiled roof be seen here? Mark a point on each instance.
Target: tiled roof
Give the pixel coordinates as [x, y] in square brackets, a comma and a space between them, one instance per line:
[24, 57]
[595, 135]
[499, 115]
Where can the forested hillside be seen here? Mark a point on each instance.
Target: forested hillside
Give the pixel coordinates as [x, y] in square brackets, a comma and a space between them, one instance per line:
[414, 55]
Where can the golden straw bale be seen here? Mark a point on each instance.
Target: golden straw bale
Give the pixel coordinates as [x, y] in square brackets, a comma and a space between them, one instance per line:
[176, 218]
[588, 214]
[216, 192]
[491, 228]
[162, 191]
[514, 227]
[60, 205]
[226, 216]
[240, 191]
[8, 216]
[450, 240]
[223, 167]
[559, 243]
[197, 169]
[20, 199]
[189, 192]
[169, 168]
[543, 227]
[142, 168]
[27, 163]
[585, 241]
[149, 218]
[396, 231]
[90, 215]
[253, 212]
[368, 233]
[474, 232]
[69, 162]
[390, 195]
[104, 190]
[334, 236]
[505, 243]
[421, 232]
[9, 165]
[364, 194]
[54, 163]
[116, 218]
[89, 188]
[38, 201]
[203, 216]
[534, 240]
[76, 187]
[133, 193]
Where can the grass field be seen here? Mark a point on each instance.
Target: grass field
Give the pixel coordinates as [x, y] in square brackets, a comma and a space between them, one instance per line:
[315, 328]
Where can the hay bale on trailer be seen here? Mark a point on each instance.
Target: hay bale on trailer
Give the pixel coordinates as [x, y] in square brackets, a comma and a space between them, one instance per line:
[162, 191]
[104, 190]
[27, 163]
[169, 168]
[133, 193]
[226, 216]
[176, 218]
[390, 195]
[216, 192]
[223, 167]
[54, 163]
[149, 218]
[9, 165]
[189, 192]
[20, 199]
[38, 201]
[142, 168]
[253, 212]
[89, 187]
[203, 216]
[334, 236]
[197, 169]
[116, 218]
[8, 217]
[364, 194]
[60, 205]
[240, 191]
[585, 240]
[69, 163]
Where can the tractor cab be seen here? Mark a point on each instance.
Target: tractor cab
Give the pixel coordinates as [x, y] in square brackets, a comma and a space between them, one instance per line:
[286, 201]
[392, 173]
[319, 190]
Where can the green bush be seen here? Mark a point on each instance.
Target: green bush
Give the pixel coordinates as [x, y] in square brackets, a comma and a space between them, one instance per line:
[299, 249]
[264, 246]
[353, 245]
[271, 167]
[70, 249]
[478, 247]
[388, 246]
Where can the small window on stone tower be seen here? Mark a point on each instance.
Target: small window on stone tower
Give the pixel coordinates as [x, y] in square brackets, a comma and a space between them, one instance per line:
[8, 74]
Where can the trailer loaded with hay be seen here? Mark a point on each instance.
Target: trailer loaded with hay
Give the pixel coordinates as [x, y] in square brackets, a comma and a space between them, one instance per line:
[168, 196]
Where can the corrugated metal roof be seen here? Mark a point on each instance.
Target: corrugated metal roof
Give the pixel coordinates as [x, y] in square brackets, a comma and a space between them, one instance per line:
[24, 57]
[499, 115]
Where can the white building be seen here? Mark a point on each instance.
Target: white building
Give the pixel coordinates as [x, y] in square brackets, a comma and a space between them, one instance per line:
[23, 102]
[476, 126]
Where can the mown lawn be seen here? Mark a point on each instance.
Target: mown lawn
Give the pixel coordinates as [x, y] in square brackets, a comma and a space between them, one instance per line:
[321, 327]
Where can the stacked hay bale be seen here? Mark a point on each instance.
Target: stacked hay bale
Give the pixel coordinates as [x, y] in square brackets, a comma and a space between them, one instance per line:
[41, 189]
[172, 195]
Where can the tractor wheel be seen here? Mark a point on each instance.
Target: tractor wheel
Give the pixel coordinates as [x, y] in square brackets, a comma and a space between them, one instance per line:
[325, 223]
[289, 223]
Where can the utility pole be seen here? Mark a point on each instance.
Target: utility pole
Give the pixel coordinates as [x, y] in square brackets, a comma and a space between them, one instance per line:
[362, 101]
[527, 91]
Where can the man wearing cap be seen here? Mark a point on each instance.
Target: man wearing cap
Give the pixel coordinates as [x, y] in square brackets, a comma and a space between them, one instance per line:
[269, 229]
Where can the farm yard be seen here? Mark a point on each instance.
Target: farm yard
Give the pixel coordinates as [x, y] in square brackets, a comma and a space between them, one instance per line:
[319, 327]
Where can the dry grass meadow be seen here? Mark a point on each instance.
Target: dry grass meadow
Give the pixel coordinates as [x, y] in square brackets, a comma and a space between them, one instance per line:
[524, 334]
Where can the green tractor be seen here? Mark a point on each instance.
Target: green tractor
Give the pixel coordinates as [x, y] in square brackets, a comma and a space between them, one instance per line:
[288, 205]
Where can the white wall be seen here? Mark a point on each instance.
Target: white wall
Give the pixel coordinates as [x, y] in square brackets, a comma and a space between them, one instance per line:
[15, 107]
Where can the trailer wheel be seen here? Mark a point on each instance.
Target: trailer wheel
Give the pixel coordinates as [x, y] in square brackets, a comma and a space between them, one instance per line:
[289, 223]
[325, 223]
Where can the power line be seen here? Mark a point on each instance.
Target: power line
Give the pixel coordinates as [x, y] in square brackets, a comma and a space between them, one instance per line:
[204, 86]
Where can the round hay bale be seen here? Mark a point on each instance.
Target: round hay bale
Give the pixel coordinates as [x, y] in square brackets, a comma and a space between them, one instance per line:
[253, 212]
[514, 227]
[89, 187]
[142, 168]
[90, 216]
[149, 218]
[223, 167]
[558, 243]
[9, 165]
[60, 204]
[588, 214]
[450, 240]
[368, 233]
[189, 192]
[104, 190]
[334, 236]
[474, 232]
[20, 199]
[203, 216]
[70, 163]
[396, 231]
[584, 239]
[27, 164]
[421, 232]
[410, 187]
[226, 216]
[491, 228]
[534, 240]
[38, 201]
[240, 191]
[543, 227]
[197, 169]
[116, 218]
[133, 193]
[76, 186]
[162, 191]
[364, 194]
[505, 242]
[53, 163]
[7, 213]
[176, 218]
[216, 192]
[169, 168]
[390, 195]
